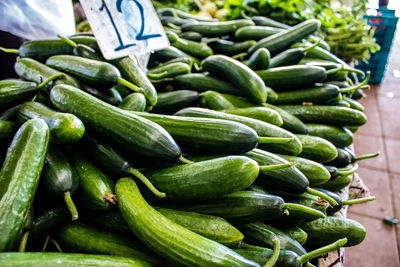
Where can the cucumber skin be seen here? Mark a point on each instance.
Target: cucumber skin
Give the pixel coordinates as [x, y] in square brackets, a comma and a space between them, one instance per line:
[205, 180]
[215, 101]
[229, 48]
[316, 148]
[125, 129]
[201, 82]
[53, 259]
[195, 49]
[7, 131]
[170, 70]
[339, 136]
[13, 92]
[169, 239]
[316, 95]
[64, 128]
[215, 29]
[133, 102]
[287, 258]
[258, 113]
[19, 178]
[255, 32]
[171, 102]
[259, 60]
[48, 220]
[296, 233]
[338, 184]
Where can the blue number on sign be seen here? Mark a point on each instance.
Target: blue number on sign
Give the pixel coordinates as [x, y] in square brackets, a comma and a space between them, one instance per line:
[121, 44]
[140, 35]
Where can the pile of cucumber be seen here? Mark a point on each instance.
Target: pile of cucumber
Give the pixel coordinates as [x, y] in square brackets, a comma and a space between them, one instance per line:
[227, 151]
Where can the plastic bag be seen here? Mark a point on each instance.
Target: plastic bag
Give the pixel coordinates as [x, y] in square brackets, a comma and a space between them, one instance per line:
[37, 19]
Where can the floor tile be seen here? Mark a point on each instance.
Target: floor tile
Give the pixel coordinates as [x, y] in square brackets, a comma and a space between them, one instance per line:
[388, 105]
[393, 153]
[379, 185]
[379, 247]
[373, 125]
[368, 145]
[390, 125]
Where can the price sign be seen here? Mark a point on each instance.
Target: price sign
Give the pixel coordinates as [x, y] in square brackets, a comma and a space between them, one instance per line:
[125, 27]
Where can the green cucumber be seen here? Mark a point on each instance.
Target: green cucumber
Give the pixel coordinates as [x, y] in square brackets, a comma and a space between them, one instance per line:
[82, 50]
[317, 148]
[96, 188]
[331, 115]
[171, 102]
[339, 136]
[111, 96]
[59, 179]
[19, 178]
[333, 171]
[327, 230]
[212, 227]
[255, 32]
[216, 29]
[13, 92]
[259, 60]
[244, 78]
[262, 234]
[47, 220]
[215, 101]
[316, 173]
[290, 57]
[109, 221]
[292, 77]
[342, 103]
[78, 237]
[166, 54]
[192, 36]
[134, 102]
[124, 128]
[7, 131]
[354, 104]
[169, 71]
[165, 20]
[64, 127]
[280, 41]
[202, 82]
[257, 113]
[287, 258]
[295, 233]
[317, 94]
[265, 21]
[262, 128]
[169, 239]
[181, 14]
[342, 160]
[195, 49]
[230, 48]
[205, 180]
[37, 259]
[337, 184]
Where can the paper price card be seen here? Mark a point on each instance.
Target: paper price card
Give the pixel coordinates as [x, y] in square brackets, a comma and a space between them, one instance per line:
[125, 27]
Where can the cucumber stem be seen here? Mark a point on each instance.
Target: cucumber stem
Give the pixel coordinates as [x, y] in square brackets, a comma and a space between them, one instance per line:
[358, 200]
[9, 50]
[321, 195]
[52, 78]
[46, 241]
[350, 171]
[23, 242]
[321, 251]
[367, 156]
[173, 26]
[355, 71]
[56, 245]
[286, 212]
[276, 167]
[239, 55]
[184, 160]
[197, 67]
[130, 85]
[305, 209]
[71, 206]
[358, 86]
[306, 49]
[157, 75]
[146, 181]
[275, 254]
[68, 41]
[244, 15]
[333, 71]
[273, 140]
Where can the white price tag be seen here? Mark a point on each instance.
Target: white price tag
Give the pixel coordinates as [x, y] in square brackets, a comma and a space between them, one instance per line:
[125, 27]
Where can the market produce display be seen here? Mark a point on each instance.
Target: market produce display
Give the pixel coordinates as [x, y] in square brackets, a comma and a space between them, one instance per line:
[227, 151]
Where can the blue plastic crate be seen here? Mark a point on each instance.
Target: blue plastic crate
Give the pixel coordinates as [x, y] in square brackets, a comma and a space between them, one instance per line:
[377, 65]
[385, 27]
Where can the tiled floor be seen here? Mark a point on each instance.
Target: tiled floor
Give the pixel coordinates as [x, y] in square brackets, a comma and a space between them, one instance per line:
[382, 175]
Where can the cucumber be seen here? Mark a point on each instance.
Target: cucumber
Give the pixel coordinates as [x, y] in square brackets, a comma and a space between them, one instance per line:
[255, 32]
[19, 178]
[177, 21]
[64, 127]
[316, 173]
[342, 103]
[262, 129]
[292, 77]
[202, 82]
[216, 29]
[59, 179]
[171, 102]
[205, 180]
[290, 57]
[195, 49]
[287, 258]
[230, 48]
[342, 160]
[317, 148]
[78, 237]
[13, 92]
[34, 71]
[333, 171]
[327, 230]
[124, 128]
[111, 96]
[245, 79]
[133, 102]
[282, 40]
[131, 71]
[69, 259]
[181, 14]
[170, 240]
[257, 113]
[262, 234]
[339, 136]
[326, 64]
[212, 227]
[337, 184]
[214, 100]
[7, 131]
[169, 71]
[259, 60]
[47, 220]
[240, 207]
[317, 94]
[96, 188]
[354, 104]
[192, 36]
[295, 233]
[264, 21]
[166, 54]
[331, 115]
[42, 49]
[206, 134]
